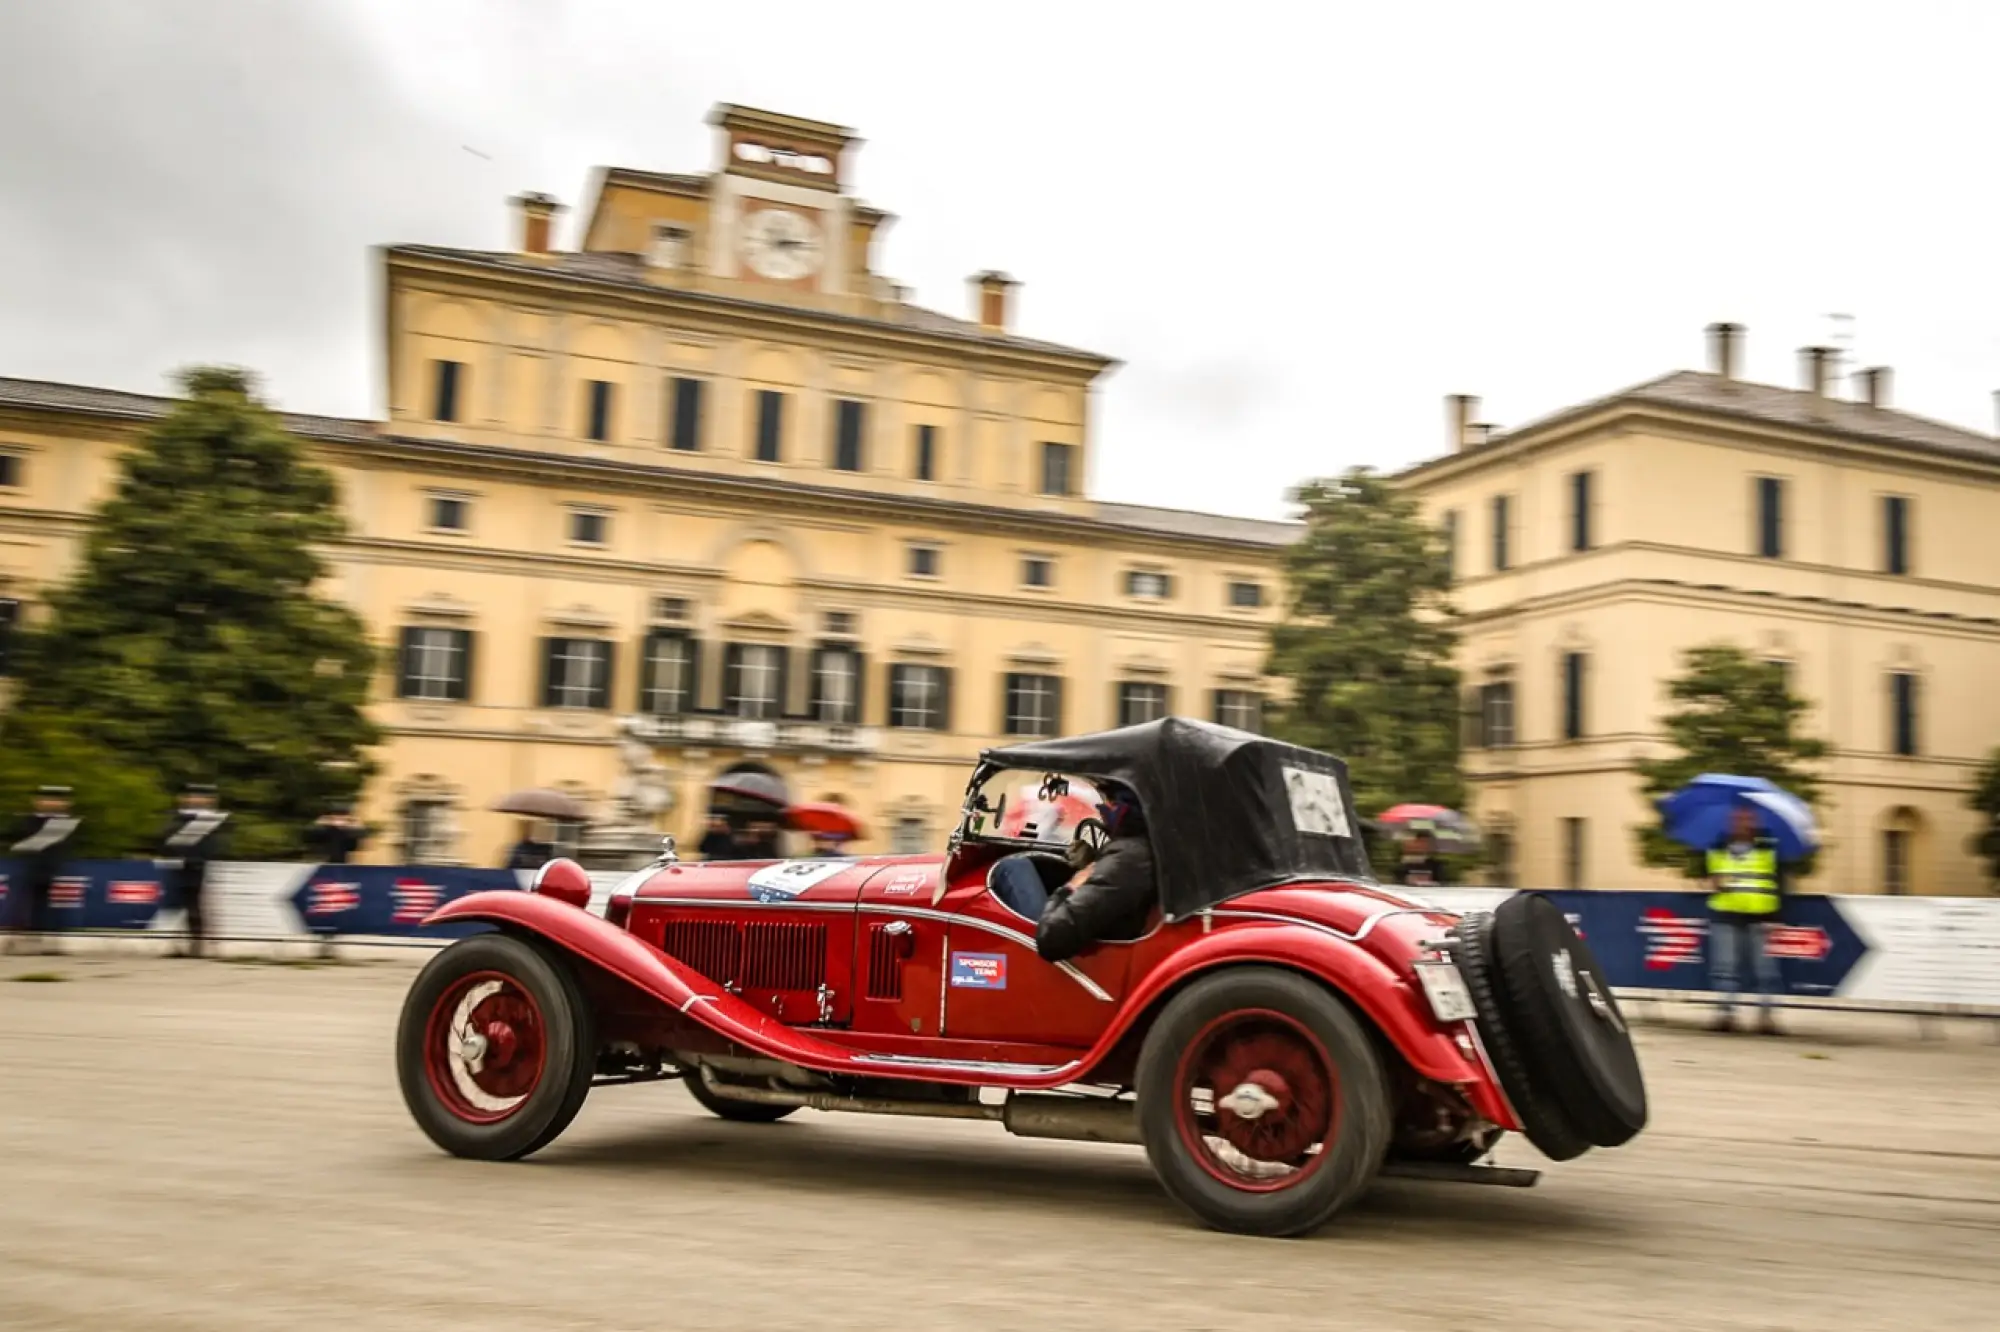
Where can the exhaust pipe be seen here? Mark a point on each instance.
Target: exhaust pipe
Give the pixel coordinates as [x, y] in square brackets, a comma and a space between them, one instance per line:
[1063, 1118]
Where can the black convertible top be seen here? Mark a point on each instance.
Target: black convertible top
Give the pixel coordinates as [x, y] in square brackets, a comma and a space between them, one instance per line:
[1228, 812]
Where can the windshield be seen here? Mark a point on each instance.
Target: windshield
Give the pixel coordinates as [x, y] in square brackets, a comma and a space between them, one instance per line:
[1012, 805]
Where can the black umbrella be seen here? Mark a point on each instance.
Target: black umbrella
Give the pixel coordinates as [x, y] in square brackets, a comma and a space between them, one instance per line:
[542, 804]
[758, 786]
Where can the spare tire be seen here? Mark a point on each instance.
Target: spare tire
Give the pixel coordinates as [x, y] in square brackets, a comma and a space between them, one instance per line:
[1565, 1021]
[1543, 1120]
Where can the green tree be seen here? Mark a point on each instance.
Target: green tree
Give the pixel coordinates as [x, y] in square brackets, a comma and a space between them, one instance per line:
[1985, 800]
[121, 805]
[1365, 649]
[1733, 713]
[190, 645]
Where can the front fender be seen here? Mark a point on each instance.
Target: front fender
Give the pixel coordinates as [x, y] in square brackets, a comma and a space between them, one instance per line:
[618, 953]
[1359, 976]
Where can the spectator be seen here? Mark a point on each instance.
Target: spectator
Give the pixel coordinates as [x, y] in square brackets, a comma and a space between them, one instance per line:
[719, 841]
[337, 835]
[194, 837]
[828, 846]
[1747, 886]
[1421, 867]
[527, 853]
[39, 841]
[760, 841]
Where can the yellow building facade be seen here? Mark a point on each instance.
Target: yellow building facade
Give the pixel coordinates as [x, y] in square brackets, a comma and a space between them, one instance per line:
[1815, 526]
[708, 492]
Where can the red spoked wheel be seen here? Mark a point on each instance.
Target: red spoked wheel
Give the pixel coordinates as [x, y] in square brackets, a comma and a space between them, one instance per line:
[485, 1048]
[1258, 1100]
[1262, 1102]
[495, 1051]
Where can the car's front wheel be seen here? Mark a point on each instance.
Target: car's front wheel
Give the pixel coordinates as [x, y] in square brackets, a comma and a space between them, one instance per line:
[495, 1050]
[1262, 1102]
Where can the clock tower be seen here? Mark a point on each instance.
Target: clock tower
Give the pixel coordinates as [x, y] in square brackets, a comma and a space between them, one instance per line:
[782, 219]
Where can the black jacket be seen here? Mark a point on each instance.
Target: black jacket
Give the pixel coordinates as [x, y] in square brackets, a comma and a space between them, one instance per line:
[1115, 902]
[193, 846]
[334, 845]
[40, 867]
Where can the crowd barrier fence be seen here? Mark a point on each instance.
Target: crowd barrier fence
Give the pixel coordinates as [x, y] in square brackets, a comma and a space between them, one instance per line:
[1926, 955]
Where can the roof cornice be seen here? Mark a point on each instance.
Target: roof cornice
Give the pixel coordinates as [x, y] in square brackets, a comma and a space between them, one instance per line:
[1069, 363]
[1609, 415]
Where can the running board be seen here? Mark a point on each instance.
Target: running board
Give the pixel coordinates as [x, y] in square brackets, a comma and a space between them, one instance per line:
[1446, 1172]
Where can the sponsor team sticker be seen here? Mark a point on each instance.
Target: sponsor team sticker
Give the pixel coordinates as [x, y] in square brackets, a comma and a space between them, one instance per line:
[903, 883]
[788, 878]
[979, 971]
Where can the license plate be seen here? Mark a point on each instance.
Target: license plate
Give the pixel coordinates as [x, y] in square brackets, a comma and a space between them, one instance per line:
[1445, 988]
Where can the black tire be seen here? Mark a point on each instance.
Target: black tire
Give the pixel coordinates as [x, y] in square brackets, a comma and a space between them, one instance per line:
[570, 1051]
[1543, 1120]
[1566, 1020]
[741, 1112]
[1346, 1166]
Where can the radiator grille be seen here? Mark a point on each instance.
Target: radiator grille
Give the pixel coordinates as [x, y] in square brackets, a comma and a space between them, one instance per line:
[712, 947]
[758, 956]
[784, 956]
[885, 964]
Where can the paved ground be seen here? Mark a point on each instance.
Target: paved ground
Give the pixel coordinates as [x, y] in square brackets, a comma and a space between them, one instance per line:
[218, 1146]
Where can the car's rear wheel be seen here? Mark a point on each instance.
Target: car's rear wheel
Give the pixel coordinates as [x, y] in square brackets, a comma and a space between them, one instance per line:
[494, 1051]
[1262, 1102]
[742, 1112]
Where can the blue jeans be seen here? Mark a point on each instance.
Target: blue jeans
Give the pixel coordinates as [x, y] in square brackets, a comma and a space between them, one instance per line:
[1730, 942]
[1017, 884]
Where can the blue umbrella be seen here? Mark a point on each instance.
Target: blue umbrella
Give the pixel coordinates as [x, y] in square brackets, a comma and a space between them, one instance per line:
[1697, 815]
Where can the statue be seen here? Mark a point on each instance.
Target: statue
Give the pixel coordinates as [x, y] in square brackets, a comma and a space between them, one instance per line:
[628, 838]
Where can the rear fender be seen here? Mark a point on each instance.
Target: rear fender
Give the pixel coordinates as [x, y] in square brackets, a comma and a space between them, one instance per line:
[1401, 1014]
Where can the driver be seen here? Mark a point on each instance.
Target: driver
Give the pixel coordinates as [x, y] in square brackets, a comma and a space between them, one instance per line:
[1111, 897]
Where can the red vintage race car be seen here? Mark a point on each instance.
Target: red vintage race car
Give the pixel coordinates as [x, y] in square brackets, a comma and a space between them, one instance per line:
[1282, 1030]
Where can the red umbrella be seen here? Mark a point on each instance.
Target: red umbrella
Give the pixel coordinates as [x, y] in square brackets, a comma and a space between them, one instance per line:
[823, 819]
[1414, 813]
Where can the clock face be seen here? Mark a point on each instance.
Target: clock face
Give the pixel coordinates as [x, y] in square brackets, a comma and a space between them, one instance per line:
[781, 245]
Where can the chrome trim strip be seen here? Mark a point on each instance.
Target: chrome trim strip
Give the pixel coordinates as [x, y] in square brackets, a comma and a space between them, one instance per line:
[1367, 926]
[694, 999]
[966, 1065]
[1027, 941]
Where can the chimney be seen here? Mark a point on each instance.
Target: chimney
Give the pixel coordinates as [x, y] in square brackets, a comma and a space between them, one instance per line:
[1459, 409]
[994, 295]
[538, 213]
[1725, 343]
[1815, 368]
[1875, 385]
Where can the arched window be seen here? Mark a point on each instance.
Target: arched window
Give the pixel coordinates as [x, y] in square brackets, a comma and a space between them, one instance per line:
[1902, 845]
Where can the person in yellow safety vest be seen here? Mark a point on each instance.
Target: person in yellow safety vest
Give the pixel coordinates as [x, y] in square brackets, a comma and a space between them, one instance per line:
[1746, 883]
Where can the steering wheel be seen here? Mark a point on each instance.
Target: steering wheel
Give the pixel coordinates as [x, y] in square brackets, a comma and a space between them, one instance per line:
[1088, 842]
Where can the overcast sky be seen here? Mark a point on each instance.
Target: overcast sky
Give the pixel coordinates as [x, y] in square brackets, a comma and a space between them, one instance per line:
[1298, 226]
